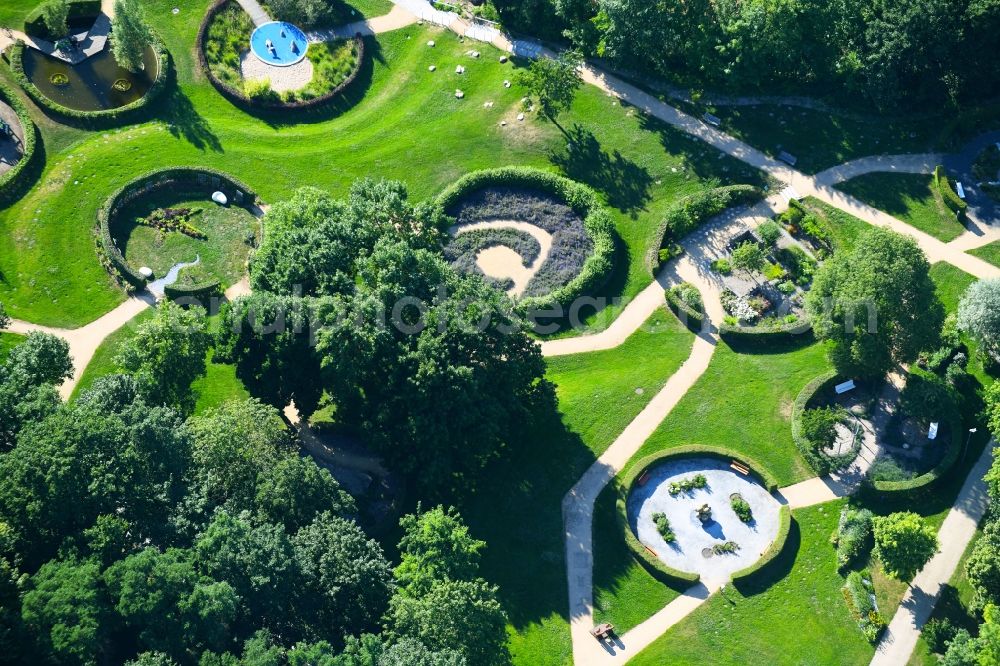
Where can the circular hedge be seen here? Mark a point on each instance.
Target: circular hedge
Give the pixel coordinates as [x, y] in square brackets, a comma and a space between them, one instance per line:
[181, 181]
[656, 566]
[821, 464]
[18, 176]
[918, 483]
[240, 98]
[581, 199]
[104, 117]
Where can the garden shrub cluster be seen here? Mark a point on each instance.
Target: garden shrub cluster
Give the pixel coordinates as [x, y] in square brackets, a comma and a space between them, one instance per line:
[858, 592]
[492, 192]
[690, 212]
[174, 219]
[725, 548]
[948, 194]
[853, 537]
[225, 34]
[818, 427]
[685, 301]
[463, 249]
[741, 508]
[917, 484]
[16, 178]
[200, 181]
[799, 265]
[696, 482]
[105, 117]
[663, 527]
[34, 22]
[798, 220]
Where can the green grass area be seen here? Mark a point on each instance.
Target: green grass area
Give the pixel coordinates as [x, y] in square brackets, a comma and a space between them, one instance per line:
[909, 197]
[218, 386]
[990, 253]
[223, 255]
[7, 342]
[369, 8]
[517, 510]
[793, 613]
[397, 121]
[950, 283]
[845, 229]
[744, 402]
[332, 63]
[13, 12]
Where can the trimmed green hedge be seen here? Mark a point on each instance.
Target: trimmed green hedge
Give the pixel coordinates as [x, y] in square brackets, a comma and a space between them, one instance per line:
[103, 118]
[34, 22]
[919, 483]
[195, 292]
[653, 564]
[951, 198]
[690, 317]
[761, 335]
[690, 212]
[240, 98]
[598, 266]
[183, 180]
[12, 181]
[821, 464]
[784, 527]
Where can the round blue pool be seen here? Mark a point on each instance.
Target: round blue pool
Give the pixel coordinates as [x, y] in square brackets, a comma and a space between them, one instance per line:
[278, 43]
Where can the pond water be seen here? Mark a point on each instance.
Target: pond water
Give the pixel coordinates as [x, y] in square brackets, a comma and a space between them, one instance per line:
[280, 44]
[89, 85]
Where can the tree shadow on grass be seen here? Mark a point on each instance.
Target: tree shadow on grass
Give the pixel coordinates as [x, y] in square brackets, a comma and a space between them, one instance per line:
[775, 570]
[517, 510]
[892, 200]
[624, 183]
[184, 121]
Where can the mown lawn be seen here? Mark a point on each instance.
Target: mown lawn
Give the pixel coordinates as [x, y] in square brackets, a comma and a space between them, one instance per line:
[990, 253]
[398, 121]
[517, 510]
[7, 342]
[13, 12]
[909, 197]
[844, 227]
[793, 614]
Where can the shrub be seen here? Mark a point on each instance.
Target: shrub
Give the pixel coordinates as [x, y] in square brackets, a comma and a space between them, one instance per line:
[938, 633]
[690, 212]
[903, 543]
[725, 548]
[688, 293]
[692, 317]
[819, 426]
[259, 90]
[917, 484]
[15, 178]
[773, 271]
[857, 593]
[800, 266]
[663, 527]
[853, 536]
[696, 482]
[987, 164]
[35, 23]
[462, 250]
[821, 463]
[769, 232]
[948, 194]
[722, 266]
[927, 397]
[741, 508]
[787, 287]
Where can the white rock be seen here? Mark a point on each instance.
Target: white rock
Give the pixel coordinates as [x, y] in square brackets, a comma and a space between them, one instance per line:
[432, 68]
[503, 123]
[503, 59]
[459, 94]
[430, 43]
[520, 116]
[475, 54]
[220, 198]
[459, 70]
[506, 84]
[146, 272]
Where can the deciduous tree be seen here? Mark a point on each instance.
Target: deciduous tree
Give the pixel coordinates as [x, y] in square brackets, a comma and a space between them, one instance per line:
[903, 543]
[130, 36]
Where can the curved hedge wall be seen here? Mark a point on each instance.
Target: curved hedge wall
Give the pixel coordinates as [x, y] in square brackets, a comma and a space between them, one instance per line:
[653, 564]
[240, 99]
[690, 317]
[598, 266]
[690, 212]
[784, 527]
[934, 474]
[821, 464]
[12, 181]
[103, 118]
[183, 180]
[762, 335]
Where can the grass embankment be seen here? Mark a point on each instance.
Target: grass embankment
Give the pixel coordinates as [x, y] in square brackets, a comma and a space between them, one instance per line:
[398, 120]
[990, 253]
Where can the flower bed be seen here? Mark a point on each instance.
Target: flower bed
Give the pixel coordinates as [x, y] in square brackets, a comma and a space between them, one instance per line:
[180, 181]
[682, 301]
[105, 117]
[462, 251]
[583, 246]
[220, 45]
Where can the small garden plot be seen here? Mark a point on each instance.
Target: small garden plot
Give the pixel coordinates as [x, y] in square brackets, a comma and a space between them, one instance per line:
[159, 232]
[699, 516]
[859, 593]
[226, 49]
[764, 278]
[569, 243]
[469, 252]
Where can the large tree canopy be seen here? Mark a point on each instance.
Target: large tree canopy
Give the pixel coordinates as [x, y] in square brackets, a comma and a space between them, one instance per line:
[979, 314]
[876, 306]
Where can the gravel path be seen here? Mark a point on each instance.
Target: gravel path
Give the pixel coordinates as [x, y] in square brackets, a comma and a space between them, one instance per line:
[283, 79]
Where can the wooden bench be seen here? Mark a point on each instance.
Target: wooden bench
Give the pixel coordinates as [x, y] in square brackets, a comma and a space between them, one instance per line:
[644, 478]
[740, 467]
[603, 631]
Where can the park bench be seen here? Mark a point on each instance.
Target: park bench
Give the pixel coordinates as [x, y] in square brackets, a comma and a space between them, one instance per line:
[961, 190]
[844, 387]
[714, 121]
[644, 478]
[603, 631]
[787, 158]
[740, 467]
